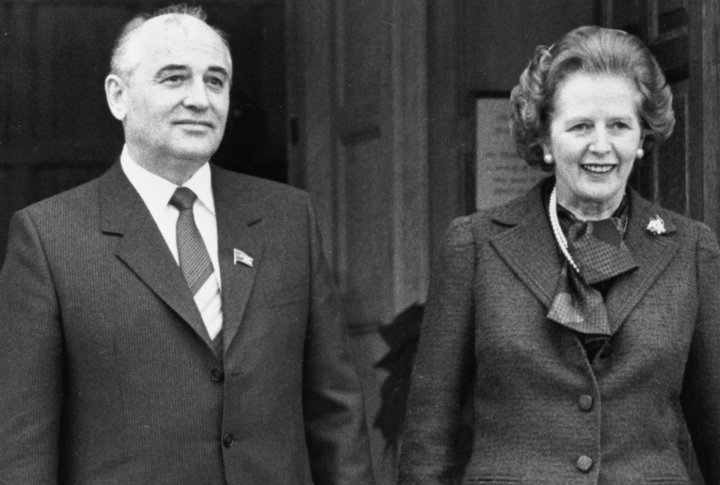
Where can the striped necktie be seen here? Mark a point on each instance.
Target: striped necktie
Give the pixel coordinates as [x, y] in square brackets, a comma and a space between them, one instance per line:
[196, 265]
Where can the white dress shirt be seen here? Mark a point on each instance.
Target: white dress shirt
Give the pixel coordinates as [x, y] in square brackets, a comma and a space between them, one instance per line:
[156, 192]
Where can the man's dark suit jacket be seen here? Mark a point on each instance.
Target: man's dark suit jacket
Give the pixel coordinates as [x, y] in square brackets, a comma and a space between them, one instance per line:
[542, 413]
[107, 374]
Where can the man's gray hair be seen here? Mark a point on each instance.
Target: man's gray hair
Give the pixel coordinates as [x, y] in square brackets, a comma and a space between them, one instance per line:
[120, 47]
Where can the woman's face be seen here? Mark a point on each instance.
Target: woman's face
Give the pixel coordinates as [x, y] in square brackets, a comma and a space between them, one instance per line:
[595, 133]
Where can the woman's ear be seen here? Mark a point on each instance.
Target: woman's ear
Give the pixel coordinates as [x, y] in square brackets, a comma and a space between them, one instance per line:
[547, 154]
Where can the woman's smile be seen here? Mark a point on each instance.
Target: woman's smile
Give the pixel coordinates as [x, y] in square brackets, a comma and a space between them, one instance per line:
[595, 134]
[598, 169]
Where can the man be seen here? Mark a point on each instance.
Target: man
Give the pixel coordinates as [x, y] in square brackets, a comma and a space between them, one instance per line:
[152, 334]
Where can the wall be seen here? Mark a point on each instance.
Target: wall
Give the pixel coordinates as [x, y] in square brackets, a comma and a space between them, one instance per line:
[357, 100]
[478, 45]
[501, 35]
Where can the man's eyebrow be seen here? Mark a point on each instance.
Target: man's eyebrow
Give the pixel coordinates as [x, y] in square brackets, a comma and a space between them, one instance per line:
[171, 67]
[219, 70]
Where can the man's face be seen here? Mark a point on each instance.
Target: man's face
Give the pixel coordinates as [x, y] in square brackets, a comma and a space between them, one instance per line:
[177, 93]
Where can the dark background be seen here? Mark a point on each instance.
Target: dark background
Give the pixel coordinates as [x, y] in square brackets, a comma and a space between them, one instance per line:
[56, 130]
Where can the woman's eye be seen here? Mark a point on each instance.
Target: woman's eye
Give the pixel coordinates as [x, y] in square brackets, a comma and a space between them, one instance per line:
[580, 127]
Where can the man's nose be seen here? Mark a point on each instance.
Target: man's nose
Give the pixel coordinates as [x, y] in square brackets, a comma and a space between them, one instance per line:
[196, 96]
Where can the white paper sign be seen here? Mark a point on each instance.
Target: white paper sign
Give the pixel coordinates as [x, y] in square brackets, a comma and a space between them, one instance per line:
[501, 174]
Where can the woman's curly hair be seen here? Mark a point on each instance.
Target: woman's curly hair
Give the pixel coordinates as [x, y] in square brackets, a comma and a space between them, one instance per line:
[590, 50]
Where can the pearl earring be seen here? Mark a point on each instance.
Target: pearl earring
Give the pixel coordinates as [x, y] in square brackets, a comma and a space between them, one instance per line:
[548, 158]
[640, 153]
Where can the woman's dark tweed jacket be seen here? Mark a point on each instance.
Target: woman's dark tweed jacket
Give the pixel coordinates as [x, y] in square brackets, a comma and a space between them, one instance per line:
[542, 414]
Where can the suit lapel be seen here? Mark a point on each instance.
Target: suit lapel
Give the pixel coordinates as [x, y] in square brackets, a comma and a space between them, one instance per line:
[143, 249]
[652, 252]
[527, 246]
[239, 223]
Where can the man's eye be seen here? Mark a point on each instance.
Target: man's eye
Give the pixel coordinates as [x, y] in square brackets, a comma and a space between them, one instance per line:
[619, 125]
[217, 82]
[174, 79]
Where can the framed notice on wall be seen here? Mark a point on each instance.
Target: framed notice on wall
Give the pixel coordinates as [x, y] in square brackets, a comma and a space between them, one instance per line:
[501, 175]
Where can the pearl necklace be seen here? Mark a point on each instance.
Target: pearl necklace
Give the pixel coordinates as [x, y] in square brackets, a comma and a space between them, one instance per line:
[557, 230]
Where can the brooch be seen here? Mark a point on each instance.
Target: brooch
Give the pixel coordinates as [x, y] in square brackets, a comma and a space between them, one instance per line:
[656, 225]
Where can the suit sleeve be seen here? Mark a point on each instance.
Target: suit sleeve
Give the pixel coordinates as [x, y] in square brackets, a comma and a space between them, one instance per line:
[701, 388]
[31, 361]
[333, 406]
[442, 375]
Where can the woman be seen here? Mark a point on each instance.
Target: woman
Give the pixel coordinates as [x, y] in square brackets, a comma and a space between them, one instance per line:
[579, 324]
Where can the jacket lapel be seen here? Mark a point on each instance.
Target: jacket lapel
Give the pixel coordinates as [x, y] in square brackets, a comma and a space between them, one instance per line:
[239, 222]
[143, 249]
[527, 246]
[652, 252]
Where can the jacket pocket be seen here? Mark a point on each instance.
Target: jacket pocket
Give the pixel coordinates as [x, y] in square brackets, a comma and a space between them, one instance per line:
[287, 294]
[667, 481]
[492, 480]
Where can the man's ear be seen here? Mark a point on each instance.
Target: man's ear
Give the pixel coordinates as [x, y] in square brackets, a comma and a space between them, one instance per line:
[116, 94]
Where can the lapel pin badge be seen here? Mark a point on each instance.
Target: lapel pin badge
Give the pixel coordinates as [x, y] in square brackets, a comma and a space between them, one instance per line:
[656, 225]
[242, 257]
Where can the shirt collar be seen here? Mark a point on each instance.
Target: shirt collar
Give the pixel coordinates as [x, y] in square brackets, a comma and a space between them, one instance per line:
[156, 191]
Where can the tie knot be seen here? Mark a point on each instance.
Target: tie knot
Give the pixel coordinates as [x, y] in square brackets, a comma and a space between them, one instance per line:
[183, 198]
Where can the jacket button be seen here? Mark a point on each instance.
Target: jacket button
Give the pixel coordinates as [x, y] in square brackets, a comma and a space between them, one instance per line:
[585, 402]
[584, 463]
[228, 440]
[217, 375]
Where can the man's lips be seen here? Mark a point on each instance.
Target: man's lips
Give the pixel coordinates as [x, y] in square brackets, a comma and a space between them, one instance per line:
[204, 123]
